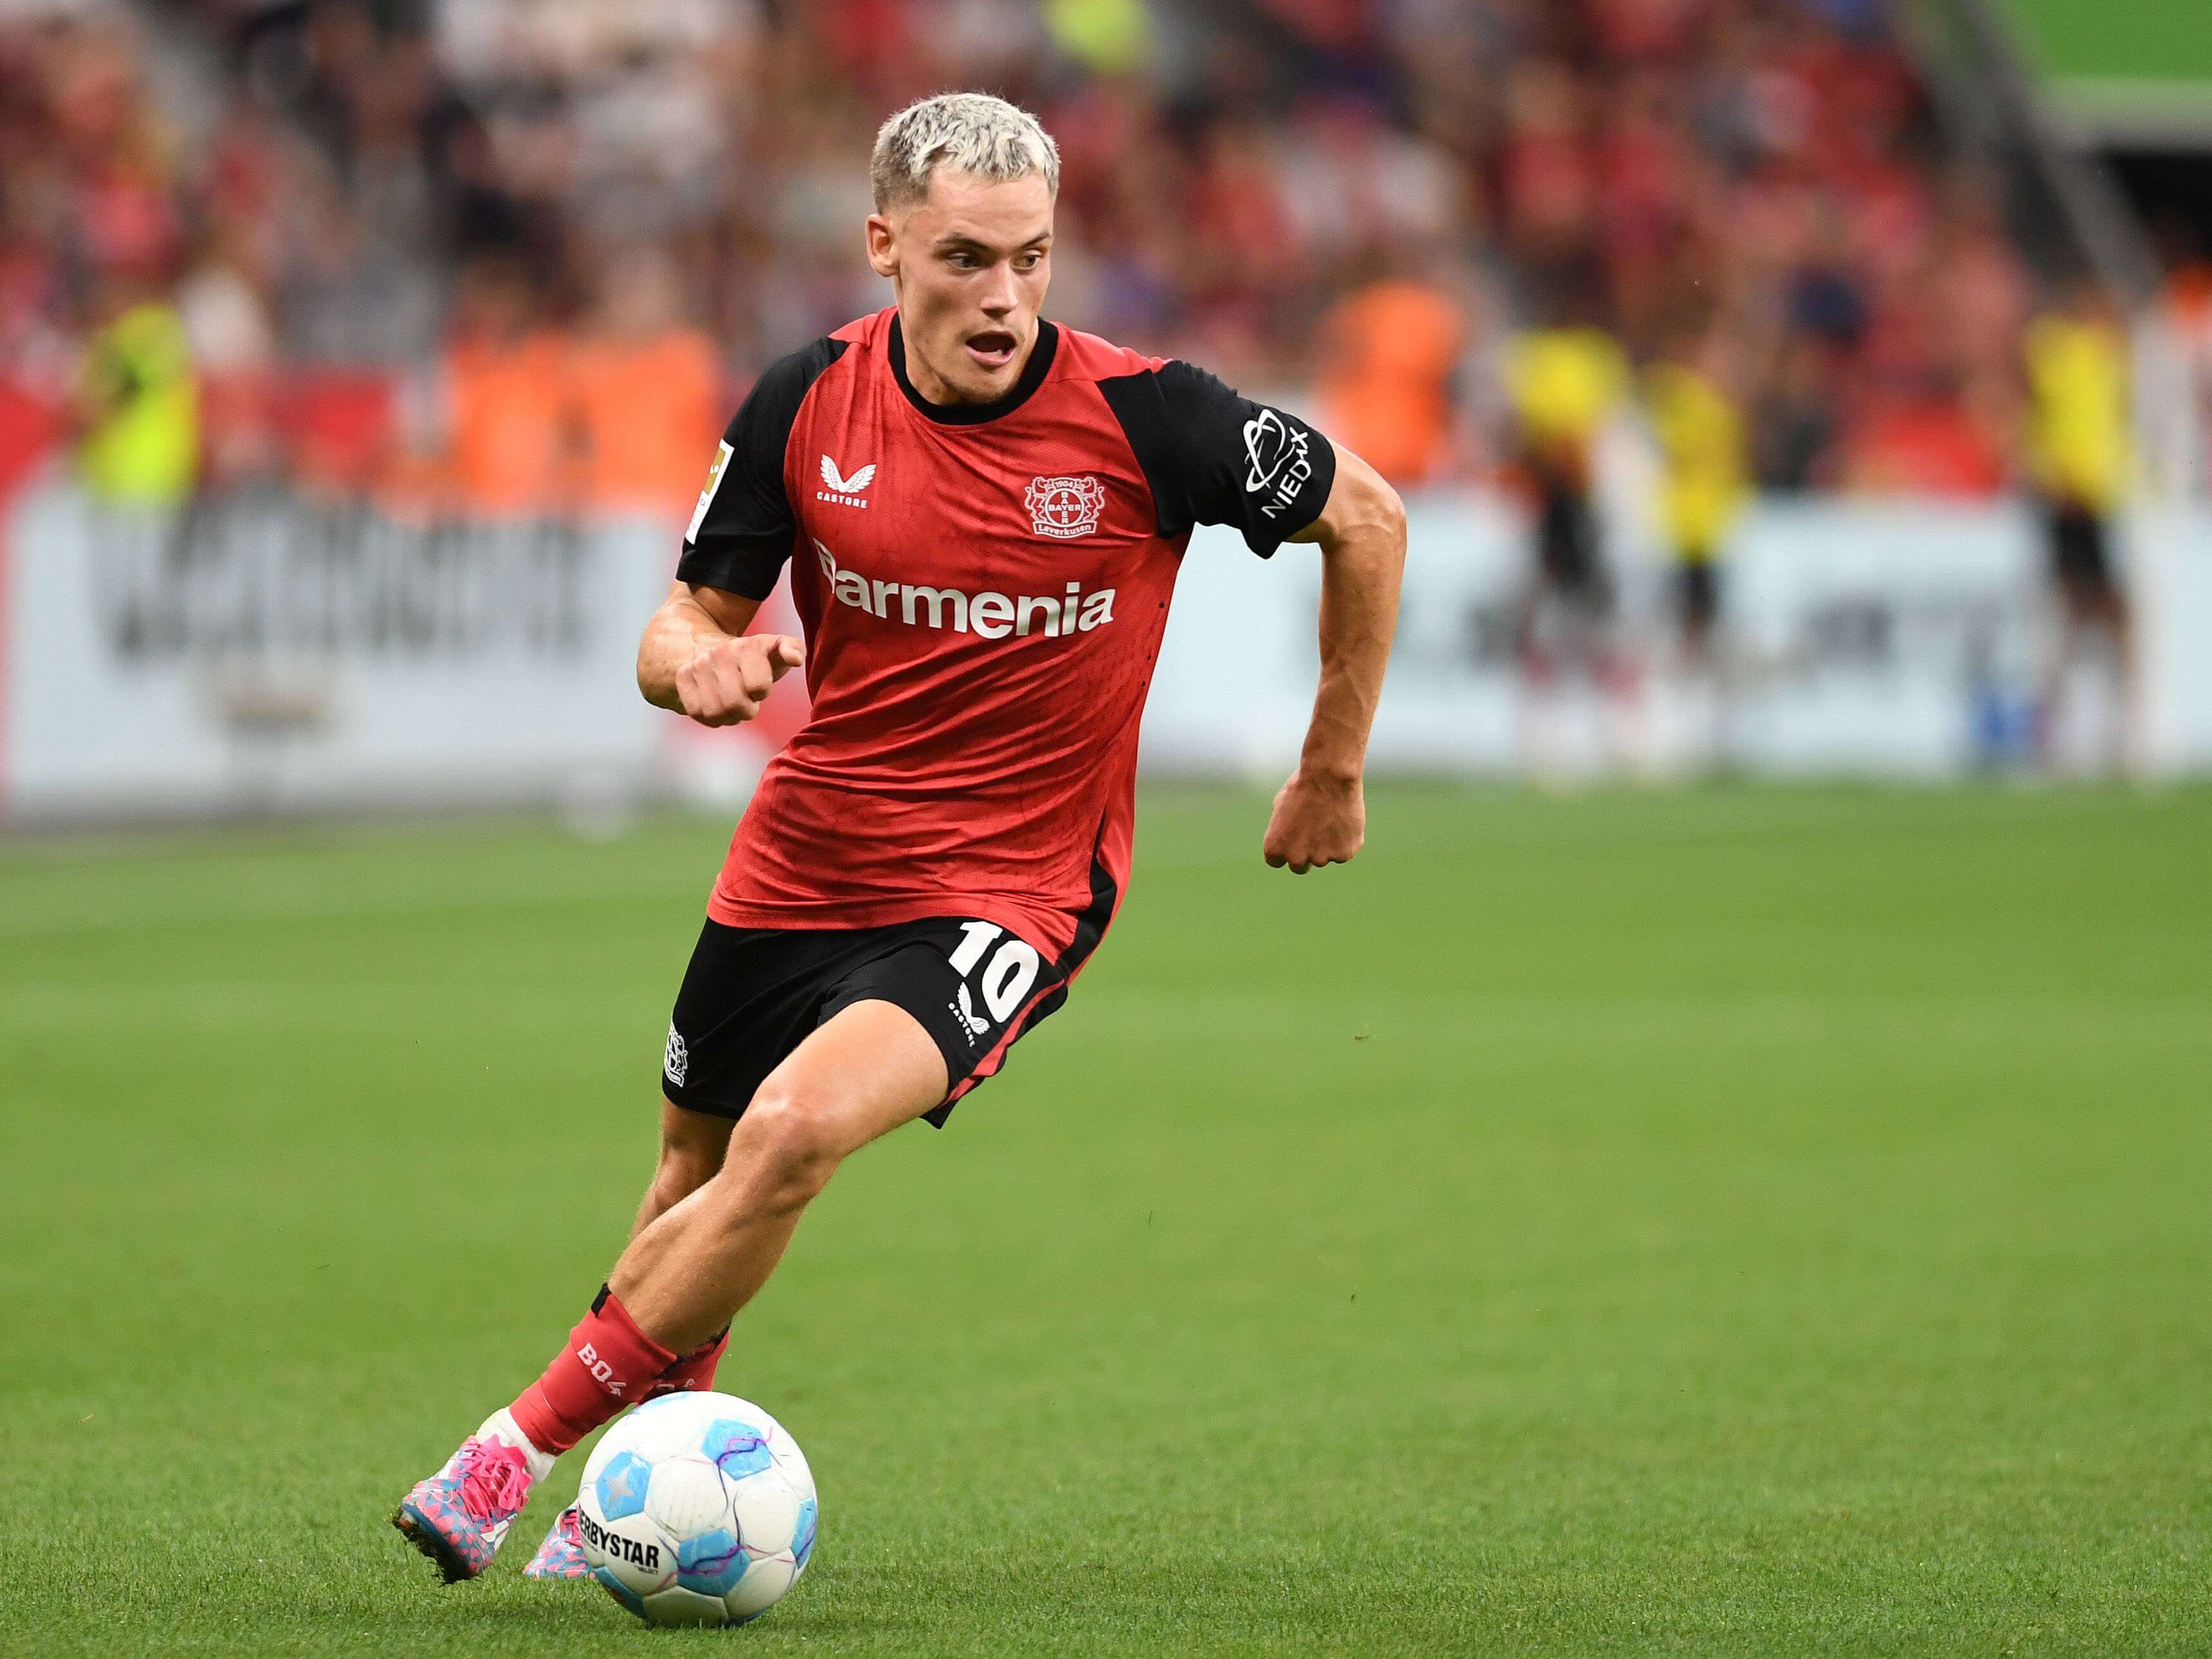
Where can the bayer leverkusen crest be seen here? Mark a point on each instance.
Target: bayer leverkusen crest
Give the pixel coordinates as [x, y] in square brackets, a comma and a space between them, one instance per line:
[1066, 507]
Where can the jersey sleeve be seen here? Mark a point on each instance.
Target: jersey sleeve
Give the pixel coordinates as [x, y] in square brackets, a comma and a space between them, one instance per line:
[742, 529]
[1212, 456]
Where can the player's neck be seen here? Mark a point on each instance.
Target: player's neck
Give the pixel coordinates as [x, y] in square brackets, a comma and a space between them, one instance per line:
[938, 398]
[935, 388]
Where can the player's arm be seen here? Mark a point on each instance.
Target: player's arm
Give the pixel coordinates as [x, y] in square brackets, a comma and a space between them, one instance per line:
[1321, 815]
[697, 659]
[1213, 456]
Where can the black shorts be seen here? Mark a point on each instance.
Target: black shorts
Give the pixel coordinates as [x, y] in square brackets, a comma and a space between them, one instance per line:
[2078, 555]
[1697, 592]
[753, 994]
[1567, 548]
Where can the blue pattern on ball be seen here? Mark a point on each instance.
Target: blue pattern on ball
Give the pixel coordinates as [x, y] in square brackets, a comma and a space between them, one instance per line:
[621, 1486]
[621, 1592]
[737, 1449]
[802, 1539]
[712, 1563]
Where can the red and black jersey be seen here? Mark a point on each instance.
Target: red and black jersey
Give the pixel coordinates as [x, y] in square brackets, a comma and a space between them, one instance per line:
[983, 588]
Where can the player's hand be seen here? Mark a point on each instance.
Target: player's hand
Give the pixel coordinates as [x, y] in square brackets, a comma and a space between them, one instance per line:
[727, 683]
[1316, 820]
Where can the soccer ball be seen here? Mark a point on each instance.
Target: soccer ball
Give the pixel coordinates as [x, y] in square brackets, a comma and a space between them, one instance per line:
[697, 1508]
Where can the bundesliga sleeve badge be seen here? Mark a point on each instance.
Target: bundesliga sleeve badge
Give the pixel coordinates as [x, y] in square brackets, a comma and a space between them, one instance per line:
[1066, 507]
[707, 496]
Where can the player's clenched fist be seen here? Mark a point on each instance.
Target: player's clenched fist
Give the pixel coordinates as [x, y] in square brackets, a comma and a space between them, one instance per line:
[1316, 820]
[727, 683]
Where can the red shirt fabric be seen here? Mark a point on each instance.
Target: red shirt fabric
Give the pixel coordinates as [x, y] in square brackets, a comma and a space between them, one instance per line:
[983, 590]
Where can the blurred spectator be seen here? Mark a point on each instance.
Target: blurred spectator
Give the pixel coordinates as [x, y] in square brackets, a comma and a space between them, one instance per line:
[2187, 306]
[649, 392]
[1386, 380]
[1915, 437]
[1566, 381]
[1107, 37]
[2189, 283]
[1705, 474]
[2079, 447]
[319, 195]
[233, 345]
[2077, 375]
[510, 432]
[1794, 423]
[139, 406]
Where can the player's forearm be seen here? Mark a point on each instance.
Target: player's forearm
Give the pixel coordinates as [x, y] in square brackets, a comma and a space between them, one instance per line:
[1362, 565]
[679, 632]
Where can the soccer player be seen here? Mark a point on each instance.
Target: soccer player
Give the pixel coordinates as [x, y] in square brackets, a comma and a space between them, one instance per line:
[1565, 382]
[2082, 453]
[1705, 462]
[984, 514]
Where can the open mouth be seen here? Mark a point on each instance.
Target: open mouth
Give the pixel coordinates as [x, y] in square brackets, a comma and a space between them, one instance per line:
[994, 347]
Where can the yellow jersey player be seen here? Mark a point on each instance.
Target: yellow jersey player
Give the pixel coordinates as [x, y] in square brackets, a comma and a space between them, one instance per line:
[1564, 383]
[2081, 453]
[1704, 484]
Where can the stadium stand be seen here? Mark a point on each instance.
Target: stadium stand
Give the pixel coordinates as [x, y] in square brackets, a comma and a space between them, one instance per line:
[411, 247]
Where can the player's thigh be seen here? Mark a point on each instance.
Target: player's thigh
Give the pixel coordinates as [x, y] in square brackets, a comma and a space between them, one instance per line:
[747, 997]
[868, 1068]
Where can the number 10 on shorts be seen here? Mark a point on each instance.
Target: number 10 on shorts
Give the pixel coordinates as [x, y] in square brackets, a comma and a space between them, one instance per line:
[1012, 969]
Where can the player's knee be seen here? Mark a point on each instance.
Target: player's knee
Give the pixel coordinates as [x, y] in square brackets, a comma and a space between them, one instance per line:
[788, 1146]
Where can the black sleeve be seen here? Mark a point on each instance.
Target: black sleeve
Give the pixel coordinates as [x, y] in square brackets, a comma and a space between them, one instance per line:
[1213, 457]
[743, 528]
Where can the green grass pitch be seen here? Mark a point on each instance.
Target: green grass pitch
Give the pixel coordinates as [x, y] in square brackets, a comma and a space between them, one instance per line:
[1759, 1222]
[2126, 39]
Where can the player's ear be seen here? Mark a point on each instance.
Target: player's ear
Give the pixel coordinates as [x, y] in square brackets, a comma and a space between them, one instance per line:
[883, 245]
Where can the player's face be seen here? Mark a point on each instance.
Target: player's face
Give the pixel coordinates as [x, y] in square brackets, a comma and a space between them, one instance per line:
[969, 263]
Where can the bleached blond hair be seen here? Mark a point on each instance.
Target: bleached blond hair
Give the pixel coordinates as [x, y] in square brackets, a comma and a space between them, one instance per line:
[971, 132]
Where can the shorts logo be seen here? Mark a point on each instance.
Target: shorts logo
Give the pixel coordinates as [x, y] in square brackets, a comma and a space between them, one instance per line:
[1004, 980]
[1281, 461]
[676, 1061]
[976, 1024]
[1066, 507]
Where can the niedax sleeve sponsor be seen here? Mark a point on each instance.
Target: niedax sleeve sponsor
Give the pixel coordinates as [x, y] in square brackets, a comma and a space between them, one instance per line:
[743, 528]
[1215, 456]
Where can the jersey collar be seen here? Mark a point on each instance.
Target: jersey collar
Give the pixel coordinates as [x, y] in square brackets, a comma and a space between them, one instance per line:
[1033, 373]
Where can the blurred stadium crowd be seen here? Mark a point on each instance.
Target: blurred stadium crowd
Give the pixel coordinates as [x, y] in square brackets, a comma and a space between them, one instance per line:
[520, 252]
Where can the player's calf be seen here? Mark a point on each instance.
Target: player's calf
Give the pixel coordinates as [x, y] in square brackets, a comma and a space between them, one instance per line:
[693, 1269]
[561, 1554]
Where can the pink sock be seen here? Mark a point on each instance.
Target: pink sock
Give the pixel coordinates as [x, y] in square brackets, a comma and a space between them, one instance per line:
[691, 1371]
[609, 1364]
